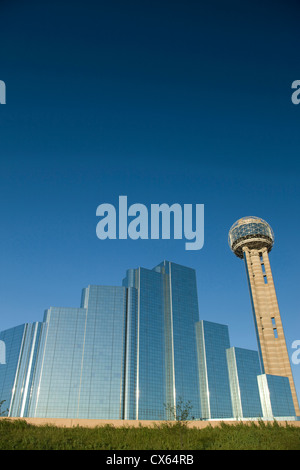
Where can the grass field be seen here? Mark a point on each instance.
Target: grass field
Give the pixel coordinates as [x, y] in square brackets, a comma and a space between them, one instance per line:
[19, 435]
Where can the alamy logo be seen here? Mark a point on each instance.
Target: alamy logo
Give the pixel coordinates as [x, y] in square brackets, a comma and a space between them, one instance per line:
[2, 92]
[296, 354]
[2, 353]
[157, 226]
[296, 94]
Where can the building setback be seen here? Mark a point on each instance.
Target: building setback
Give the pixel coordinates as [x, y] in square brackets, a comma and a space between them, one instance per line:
[213, 341]
[135, 352]
[243, 369]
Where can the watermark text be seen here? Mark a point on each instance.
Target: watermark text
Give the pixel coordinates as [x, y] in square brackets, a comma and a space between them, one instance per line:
[2, 92]
[296, 94]
[296, 354]
[135, 222]
[2, 352]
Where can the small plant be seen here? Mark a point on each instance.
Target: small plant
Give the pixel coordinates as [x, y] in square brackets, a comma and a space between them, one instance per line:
[181, 413]
[4, 412]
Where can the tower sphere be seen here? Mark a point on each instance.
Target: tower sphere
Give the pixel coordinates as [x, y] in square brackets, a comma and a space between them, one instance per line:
[252, 232]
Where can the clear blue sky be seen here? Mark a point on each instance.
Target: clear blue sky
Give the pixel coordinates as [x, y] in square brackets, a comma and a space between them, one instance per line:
[162, 101]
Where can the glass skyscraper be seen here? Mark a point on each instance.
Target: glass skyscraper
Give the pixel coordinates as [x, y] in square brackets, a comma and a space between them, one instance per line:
[21, 346]
[276, 396]
[213, 341]
[243, 369]
[161, 356]
[131, 352]
[80, 368]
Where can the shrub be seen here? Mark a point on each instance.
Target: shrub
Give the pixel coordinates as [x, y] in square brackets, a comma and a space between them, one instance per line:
[19, 435]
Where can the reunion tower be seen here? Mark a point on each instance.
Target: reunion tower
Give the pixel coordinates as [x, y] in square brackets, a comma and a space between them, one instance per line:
[251, 239]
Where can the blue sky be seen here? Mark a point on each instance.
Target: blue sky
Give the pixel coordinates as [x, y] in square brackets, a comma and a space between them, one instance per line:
[181, 101]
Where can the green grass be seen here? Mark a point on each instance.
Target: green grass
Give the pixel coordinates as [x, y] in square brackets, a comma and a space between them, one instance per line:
[18, 435]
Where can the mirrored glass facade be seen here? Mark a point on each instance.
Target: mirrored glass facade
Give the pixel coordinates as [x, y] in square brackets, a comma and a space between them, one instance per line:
[129, 352]
[243, 368]
[162, 316]
[12, 339]
[79, 372]
[212, 342]
[276, 396]
[16, 374]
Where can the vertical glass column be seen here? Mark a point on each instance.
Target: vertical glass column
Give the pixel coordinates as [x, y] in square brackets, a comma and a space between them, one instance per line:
[213, 341]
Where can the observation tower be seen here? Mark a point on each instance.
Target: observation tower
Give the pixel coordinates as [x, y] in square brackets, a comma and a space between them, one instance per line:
[251, 239]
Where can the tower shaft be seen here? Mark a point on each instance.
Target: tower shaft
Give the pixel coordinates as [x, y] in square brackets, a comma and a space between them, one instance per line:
[273, 351]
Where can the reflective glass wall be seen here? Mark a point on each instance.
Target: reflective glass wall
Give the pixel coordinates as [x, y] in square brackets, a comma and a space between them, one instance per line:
[80, 368]
[185, 313]
[134, 352]
[243, 368]
[212, 342]
[276, 396]
[12, 342]
[162, 332]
